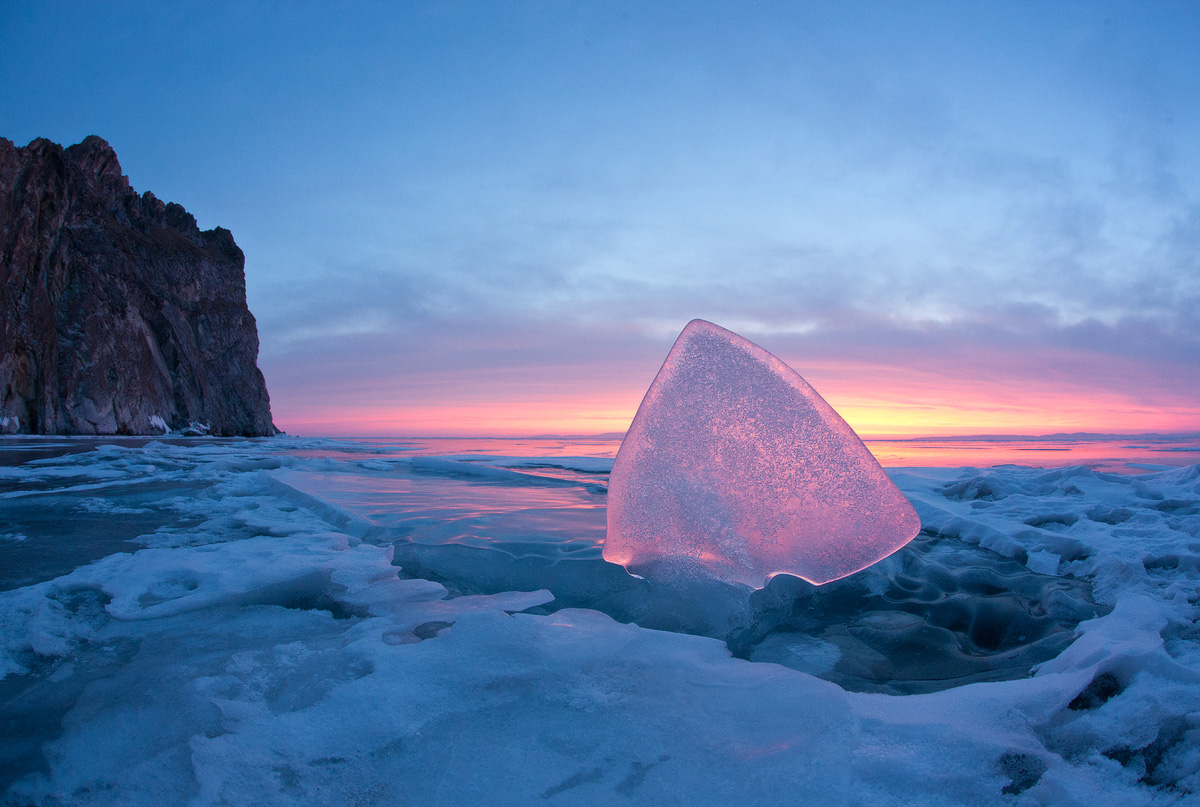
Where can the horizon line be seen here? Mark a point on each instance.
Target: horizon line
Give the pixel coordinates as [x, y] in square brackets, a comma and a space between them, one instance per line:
[1082, 436]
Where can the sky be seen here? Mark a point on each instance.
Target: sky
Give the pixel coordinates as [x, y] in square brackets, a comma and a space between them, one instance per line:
[475, 218]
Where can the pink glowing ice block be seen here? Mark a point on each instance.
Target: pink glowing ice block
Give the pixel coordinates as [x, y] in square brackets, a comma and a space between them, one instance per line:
[735, 468]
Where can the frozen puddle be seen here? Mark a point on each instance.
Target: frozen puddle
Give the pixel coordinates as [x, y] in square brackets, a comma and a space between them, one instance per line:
[297, 629]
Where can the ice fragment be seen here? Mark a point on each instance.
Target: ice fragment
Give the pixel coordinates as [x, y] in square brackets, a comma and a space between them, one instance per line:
[735, 468]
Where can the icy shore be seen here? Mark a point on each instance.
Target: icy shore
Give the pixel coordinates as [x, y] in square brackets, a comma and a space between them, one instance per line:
[301, 622]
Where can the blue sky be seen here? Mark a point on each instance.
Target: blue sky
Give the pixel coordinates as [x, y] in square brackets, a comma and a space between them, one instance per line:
[473, 208]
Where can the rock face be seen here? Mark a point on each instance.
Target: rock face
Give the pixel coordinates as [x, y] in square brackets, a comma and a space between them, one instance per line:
[118, 315]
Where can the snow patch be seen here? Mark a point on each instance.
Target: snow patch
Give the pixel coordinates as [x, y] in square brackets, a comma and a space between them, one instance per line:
[256, 653]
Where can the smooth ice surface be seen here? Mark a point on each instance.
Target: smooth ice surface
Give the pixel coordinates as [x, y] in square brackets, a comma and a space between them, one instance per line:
[734, 467]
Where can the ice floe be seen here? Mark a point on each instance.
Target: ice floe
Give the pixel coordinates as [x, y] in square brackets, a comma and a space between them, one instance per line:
[734, 468]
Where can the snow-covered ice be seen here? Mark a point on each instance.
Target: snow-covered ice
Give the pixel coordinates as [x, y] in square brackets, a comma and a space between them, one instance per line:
[735, 468]
[293, 621]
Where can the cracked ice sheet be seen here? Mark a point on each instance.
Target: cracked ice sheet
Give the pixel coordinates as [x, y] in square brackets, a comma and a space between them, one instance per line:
[217, 673]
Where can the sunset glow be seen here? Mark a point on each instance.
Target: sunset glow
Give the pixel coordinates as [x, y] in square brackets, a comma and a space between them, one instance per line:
[942, 412]
[494, 218]
[877, 402]
[890, 407]
[481, 419]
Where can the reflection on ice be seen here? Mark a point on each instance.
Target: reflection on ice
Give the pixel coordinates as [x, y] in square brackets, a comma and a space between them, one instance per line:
[443, 502]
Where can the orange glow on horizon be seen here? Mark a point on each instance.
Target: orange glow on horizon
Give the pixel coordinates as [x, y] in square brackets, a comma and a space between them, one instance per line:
[901, 403]
[870, 417]
[888, 403]
[485, 418]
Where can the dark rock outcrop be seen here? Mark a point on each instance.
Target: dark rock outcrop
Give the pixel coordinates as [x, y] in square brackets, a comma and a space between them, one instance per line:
[118, 315]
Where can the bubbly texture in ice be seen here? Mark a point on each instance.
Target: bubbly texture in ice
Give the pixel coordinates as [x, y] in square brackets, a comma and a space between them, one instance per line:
[735, 468]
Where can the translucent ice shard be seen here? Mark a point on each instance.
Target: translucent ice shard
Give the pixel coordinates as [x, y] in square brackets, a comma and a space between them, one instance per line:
[735, 468]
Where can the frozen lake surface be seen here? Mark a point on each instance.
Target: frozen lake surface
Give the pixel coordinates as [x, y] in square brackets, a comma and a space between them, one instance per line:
[304, 621]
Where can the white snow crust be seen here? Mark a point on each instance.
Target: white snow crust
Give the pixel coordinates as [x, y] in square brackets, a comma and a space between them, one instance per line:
[236, 630]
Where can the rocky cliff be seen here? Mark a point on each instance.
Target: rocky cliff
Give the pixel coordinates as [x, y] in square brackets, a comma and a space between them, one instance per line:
[118, 315]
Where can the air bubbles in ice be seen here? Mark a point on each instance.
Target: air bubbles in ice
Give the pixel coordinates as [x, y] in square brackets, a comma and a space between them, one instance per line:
[734, 468]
